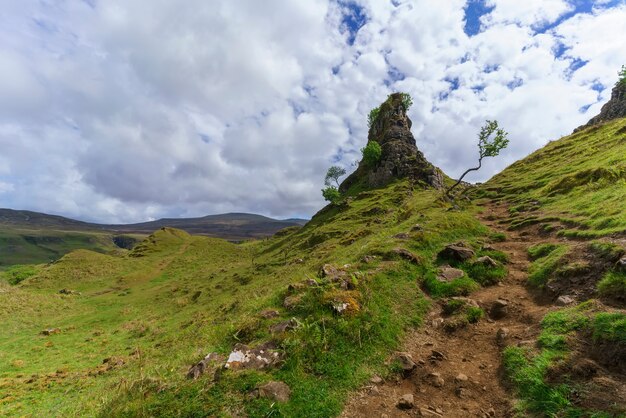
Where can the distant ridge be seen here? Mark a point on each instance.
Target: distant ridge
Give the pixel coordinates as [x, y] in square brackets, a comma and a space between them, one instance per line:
[230, 226]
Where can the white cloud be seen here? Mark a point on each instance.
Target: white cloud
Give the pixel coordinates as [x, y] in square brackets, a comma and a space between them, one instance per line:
[132, 110]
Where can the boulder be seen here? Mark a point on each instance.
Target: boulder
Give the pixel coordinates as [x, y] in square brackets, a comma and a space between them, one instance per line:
[435, 379]
[461, 378]
[499, 309]
[291, 302]
[210, 363]
[269, 313]
[457, 252]
[564, 300]
[501, 336]
[407, 365]
[376, 380]
[276, 391]
[486, 261]
[406, 402]
[284, 326]
[330, 271]
[262, 357]
[448, 274]
[50, 331]
[407, 255]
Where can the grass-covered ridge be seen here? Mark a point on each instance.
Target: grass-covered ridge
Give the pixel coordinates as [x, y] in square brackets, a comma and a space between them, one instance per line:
[577, 183]
[529, 370]
[128, 325]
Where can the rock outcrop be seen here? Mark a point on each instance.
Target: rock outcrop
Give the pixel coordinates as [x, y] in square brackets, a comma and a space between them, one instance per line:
[613, 109]
[400, 157]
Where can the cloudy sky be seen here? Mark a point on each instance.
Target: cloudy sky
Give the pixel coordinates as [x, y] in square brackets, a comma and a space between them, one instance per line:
[128, 110]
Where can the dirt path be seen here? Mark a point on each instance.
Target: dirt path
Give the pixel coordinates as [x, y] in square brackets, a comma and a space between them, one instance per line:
[473, 351]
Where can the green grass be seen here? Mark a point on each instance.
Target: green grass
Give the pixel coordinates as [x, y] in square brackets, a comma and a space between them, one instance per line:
[527, 370]
[18, 273]
[578, 181]
[26, 246]
[548, 258]
[610, 327]
[175, 298]
[613, 285]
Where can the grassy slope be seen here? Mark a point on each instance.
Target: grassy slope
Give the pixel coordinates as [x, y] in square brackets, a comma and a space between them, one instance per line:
[188, 296]
[28, 246]
[577, 182]
[576, 187]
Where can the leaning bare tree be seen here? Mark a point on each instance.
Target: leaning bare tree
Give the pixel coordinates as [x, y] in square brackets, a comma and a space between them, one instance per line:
[488, 146]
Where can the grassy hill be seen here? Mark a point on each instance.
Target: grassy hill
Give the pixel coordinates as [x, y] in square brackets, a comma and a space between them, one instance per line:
[162, 307]
[576, 184]
[31, 238]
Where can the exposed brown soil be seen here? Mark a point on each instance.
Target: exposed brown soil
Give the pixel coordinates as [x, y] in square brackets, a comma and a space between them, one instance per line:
[473, 351]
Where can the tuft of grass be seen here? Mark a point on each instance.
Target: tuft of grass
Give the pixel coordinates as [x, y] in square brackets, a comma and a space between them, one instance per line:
[610, 327]
[613, 285]
[541, 250]
[474, 314]
[606, 250]
[484, 275]
[16, 274]
[462, 286]
[527, 371]
[543, 267]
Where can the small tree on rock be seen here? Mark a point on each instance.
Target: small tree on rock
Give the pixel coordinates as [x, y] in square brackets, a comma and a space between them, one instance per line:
[331, 194]
[371, 153]
[333, 174]
[488, 146]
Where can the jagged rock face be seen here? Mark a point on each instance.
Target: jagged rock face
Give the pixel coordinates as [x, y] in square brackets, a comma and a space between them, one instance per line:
[400, 157]
[613, 109]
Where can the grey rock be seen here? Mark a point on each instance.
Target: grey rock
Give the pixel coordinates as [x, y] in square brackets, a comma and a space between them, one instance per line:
[400, 157]
[269, 313]
[406, 402]
[564, 300]
[406, 363]
[50, 331]
[376, 380]
[283, 327]
[435, 379]
[499, 309]
[615, 108]
[461, 378]
[486, 261]
[448, 274]
[501, 336]
[458, 252]
[211, 362]
[276, 391]
[262, 357]
[621, 264]
[293, 301]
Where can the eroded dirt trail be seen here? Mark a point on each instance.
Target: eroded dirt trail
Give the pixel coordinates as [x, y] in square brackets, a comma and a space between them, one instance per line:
[468, 360]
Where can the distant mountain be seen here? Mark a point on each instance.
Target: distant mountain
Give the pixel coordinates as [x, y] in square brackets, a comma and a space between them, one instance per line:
[230, 226]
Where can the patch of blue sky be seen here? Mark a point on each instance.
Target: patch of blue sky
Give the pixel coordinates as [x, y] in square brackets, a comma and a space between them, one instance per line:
[474, 10]
[353, 19]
